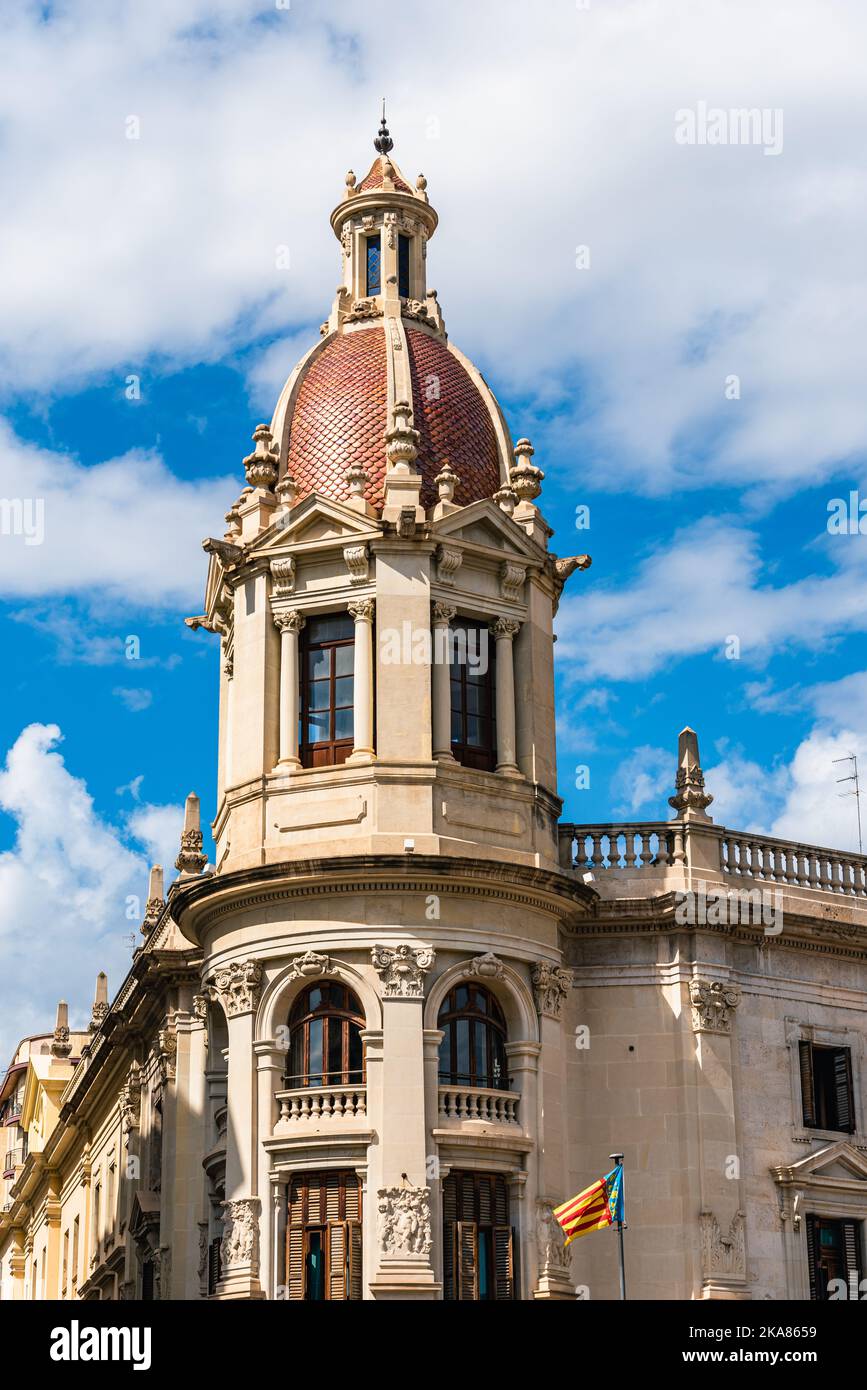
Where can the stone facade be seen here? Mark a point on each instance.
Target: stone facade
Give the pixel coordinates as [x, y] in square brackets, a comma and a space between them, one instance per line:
[201, 1147]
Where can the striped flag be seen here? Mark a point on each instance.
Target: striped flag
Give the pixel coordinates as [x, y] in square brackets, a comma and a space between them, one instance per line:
[598, 1205]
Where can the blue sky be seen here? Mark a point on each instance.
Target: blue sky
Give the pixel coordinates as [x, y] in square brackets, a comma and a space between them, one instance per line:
[541, 132]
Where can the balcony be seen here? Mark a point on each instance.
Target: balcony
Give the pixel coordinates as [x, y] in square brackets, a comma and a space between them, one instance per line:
[14, 1159]
[321, 1106]
[465, 1106]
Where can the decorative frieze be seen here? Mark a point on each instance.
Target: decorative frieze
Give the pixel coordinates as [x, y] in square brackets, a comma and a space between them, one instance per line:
[404, 1220]
[238, 986]
[357, 560]
[723, 1255]
[167, 1051]
[551, 984]
[713, 1005]
[240, 1244]
[130, 1099]
[402, 969]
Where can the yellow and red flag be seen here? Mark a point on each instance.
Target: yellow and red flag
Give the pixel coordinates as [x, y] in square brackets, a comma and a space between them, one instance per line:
[598, 1205]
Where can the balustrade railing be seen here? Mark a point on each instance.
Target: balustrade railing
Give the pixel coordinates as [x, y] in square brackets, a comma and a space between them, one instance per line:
[459, 1103]
[321, 1103]
[646, 845]
[783, 861]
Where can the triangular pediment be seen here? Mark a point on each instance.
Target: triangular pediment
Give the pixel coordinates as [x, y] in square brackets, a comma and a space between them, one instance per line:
[316, 519]
[840, 1162]
[486, 525]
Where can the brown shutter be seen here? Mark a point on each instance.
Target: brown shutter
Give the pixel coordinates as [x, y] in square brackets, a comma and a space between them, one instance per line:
[843, 1090]
[214, 1264]
[332, 1186]
[852, 1251]
[811, 1252]
[808, 1094]
[467, 1243]
[337, 1261]
[449, 1272]
[504, 1273]
[353, 1197]
[295, 1262]
[356, 1290]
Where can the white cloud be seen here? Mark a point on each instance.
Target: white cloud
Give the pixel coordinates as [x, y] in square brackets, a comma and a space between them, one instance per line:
[135, 698]
[123, 530]
[643, 781]
[65, 890]
[704, 260]
[694, 592]
[158, 828]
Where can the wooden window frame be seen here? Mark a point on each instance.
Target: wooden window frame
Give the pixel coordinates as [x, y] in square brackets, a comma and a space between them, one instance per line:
[481, 756]
[333, 751]
[341, 1235]
[494, 1023]
[472, 1219]
[349, 1017]
[822, 1110]
[372, 287]
[851, 1251]
[404, 271]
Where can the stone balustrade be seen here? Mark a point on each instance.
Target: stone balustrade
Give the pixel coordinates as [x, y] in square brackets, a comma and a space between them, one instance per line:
[310, 1104]
[805, 866]
[458, 1104]
[644, 845]
[669, 846]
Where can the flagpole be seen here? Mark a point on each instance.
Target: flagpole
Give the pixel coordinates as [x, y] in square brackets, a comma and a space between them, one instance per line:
[617, 1160]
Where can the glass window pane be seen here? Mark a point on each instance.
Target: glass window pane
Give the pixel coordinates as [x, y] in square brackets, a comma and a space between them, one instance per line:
[317, 728]
[456, 726]
[314, 1071]
[343, 660]
[356, 1064]
[462, 1029]
[403, 244]
[296, 1058]
[335, 1049]
[373, 265]
[462, 997]
[481, 1053]
[446, 1055]
[333, 628]
[474, 731]
[475, 700]
[320, 694]
[343, 690]
[343, 723]
[314, 999]
[318, 664]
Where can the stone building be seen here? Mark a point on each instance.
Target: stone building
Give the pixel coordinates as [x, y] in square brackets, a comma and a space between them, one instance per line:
[408, 1010]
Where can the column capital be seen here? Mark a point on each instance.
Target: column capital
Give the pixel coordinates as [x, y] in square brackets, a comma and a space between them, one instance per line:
[289, 620]
[442, 613]
[402, 969]
[504, 628]
[238, 986]
[362, 609]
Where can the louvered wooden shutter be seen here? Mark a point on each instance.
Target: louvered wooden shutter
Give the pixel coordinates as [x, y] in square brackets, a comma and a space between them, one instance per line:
[337, 1261]
[811, 1252]
[852, 1251]
[295, 1262]
[332, 1185]
[504, 1272]
[355, 1259]
[808, 1094]
[449, 1272]
[843, 1090]
[147, 1281]
[214, 1263]
[466, 1234]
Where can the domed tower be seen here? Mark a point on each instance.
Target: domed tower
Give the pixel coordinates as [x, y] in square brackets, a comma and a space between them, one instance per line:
[382, 935]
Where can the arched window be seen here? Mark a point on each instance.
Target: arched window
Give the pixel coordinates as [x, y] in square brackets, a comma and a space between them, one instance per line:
[325, 1037]
[473, 1050]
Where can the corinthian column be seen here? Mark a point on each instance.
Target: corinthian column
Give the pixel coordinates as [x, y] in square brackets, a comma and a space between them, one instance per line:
[362, 742]
[503, 630]
[290, 624]
[441, 616]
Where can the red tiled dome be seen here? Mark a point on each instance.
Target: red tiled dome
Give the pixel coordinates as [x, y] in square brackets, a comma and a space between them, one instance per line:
[340, 418]
[373, 179]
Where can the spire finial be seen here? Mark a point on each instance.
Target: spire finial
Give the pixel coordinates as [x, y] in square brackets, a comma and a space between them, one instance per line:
[383, 142]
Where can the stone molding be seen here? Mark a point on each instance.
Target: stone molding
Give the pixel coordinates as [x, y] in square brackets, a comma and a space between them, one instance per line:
[723, 1255]
[512, 578]
[308, 966]
[486, 967]
[283, 576]
[357, 560]
[449, 560]
[402, 969]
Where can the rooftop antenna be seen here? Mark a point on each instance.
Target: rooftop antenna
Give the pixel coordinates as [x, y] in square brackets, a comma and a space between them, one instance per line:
[383, 142]
[853, 777]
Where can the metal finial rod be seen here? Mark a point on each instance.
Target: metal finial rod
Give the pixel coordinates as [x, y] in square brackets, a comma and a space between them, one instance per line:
[383, 142]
